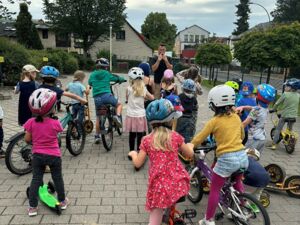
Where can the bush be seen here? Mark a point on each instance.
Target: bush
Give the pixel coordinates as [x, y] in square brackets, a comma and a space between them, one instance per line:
[15, 56]
[36, 58]
[179, 67]
[103, 54]
[71, 65]
[55, 60]
[84, 63]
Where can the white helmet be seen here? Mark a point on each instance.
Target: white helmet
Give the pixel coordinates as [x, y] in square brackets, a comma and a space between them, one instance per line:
[136, 73]
[253, 152]
[221, 95]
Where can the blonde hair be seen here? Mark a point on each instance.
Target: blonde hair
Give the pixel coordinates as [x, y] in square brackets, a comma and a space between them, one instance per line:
[26, 74]
[162, 139]
[138, 87]
[79, 75]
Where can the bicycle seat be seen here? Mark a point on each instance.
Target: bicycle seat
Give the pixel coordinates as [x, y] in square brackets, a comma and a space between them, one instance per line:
[291, 120]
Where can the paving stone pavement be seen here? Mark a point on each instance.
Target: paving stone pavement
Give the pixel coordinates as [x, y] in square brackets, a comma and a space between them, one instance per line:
[104, 188]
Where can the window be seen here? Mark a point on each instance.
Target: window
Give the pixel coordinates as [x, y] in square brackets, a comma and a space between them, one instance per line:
[186, 38]
[197, 38]
[120, 35]
[45, 34]
[63, 40]
[191, 38]
[202, 38]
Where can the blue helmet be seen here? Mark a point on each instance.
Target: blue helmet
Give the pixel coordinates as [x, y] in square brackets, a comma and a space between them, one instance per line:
[266, 93]
[189, 85]
[247, 88]
[49, 71]
[293, 83]
[146, 68]
[161, 111]
[175, 100]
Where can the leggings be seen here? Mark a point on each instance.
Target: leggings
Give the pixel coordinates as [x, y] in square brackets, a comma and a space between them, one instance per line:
[132, 137]
[156, 216]
[217, 183]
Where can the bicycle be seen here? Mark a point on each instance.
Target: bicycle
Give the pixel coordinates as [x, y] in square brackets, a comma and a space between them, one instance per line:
[19, 149]
[243, 207]
[107, 124]
[287, 136]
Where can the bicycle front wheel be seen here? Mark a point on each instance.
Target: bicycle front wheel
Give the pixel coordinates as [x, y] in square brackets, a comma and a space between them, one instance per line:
[107, 135]
[75, 138]
[196, 189]
[18, 155]
[251, 209]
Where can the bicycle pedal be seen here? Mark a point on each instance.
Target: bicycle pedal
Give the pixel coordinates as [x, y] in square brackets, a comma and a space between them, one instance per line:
[190, 213]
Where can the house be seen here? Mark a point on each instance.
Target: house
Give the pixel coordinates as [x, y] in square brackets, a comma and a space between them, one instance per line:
[127, 44]
[187, 40]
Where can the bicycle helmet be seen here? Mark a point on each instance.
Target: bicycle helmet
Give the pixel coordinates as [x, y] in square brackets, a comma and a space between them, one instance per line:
[136, 73]
[247, 88]
[175, 100]
[221, 95]
[49, 71]
[253, 153]
[293, 83]
[168, 74]
[146, 68]
[233, 84]
[42, 101]
[239, 81]
[265, 94]
[254, 91]
[189, 85]
[161, 111]
[102, 62]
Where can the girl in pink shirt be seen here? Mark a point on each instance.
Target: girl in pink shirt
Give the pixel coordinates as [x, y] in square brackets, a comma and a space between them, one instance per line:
[42, 131]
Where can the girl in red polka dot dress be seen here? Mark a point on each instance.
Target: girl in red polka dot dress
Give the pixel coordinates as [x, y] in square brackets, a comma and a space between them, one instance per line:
[168, 180]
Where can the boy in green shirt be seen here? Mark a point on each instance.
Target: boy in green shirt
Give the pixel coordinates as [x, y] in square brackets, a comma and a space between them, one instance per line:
[100, 82]
[289, 102]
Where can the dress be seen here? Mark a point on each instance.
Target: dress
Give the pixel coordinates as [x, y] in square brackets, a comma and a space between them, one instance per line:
[26, 89]
[168, 180]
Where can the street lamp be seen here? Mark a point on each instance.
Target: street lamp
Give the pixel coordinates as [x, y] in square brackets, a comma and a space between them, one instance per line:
[110, 47]
[252, 3]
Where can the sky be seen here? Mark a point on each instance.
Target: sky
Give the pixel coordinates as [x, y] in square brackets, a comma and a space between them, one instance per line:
[216, 16]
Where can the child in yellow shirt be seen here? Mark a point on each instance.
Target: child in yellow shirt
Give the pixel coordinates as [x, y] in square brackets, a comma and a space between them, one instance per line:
[228, 131]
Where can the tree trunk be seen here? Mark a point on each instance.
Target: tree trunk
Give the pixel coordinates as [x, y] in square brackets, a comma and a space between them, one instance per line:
[269, 75]
[228, 71]
[216, 78]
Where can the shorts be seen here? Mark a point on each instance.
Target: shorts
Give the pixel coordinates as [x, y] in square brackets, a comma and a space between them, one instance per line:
[105, 99]
[257, 144]
[231, 162]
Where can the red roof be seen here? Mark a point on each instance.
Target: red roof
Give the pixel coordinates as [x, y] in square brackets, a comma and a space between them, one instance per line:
[188, 53]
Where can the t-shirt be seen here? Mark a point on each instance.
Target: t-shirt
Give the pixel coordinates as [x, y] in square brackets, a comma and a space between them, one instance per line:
[159, 73]
[76, 88]
[59, 92]
[258, 115]
[227, 130]
[136, 107]
[44, 136]
[289, 102]
[244, 101]
[189, 104]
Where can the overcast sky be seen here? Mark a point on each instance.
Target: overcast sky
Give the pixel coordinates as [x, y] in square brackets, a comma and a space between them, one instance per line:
[216, 16]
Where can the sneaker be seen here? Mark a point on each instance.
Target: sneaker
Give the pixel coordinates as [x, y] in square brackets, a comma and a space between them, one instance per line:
[272, 146]
[206, 222]
[97, 139]
[118, 120]
[32, 211]
[65, 203]
[2, 154]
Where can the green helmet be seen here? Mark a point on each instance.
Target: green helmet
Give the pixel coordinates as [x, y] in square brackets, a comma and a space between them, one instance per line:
[233, 84]
[255, 91]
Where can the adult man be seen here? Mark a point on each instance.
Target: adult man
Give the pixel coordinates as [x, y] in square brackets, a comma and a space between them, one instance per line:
[159, 64]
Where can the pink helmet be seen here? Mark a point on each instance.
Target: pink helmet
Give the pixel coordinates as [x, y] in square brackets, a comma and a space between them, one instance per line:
[42, 101]
[168, 74]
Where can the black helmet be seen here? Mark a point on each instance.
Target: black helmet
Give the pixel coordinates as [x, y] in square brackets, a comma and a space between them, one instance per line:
[293, 83]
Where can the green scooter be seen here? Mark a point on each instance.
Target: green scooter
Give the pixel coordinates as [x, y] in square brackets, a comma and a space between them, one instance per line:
[46, 196]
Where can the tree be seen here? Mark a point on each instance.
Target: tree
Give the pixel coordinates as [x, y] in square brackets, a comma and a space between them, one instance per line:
[88, 20]
[25, 29]
[213, 54]
[287, 11]
[242, 13]
[4, 11]
[157, 29]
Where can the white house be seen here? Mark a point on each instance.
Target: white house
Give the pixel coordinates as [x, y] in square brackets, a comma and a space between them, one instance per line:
[188, 38]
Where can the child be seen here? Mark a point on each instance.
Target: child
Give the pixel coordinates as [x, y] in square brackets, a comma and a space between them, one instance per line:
[167, 84]
[288, 102]
[186, 125]
[193, 74]
[25, 87]
[149, 82]
[135, 122]
[175, 100]
[228, 132]
[246, 100]
[257, 117]
[42, 131]
[168, 180]
[76, 87]
[2, 153]
[100, 82]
